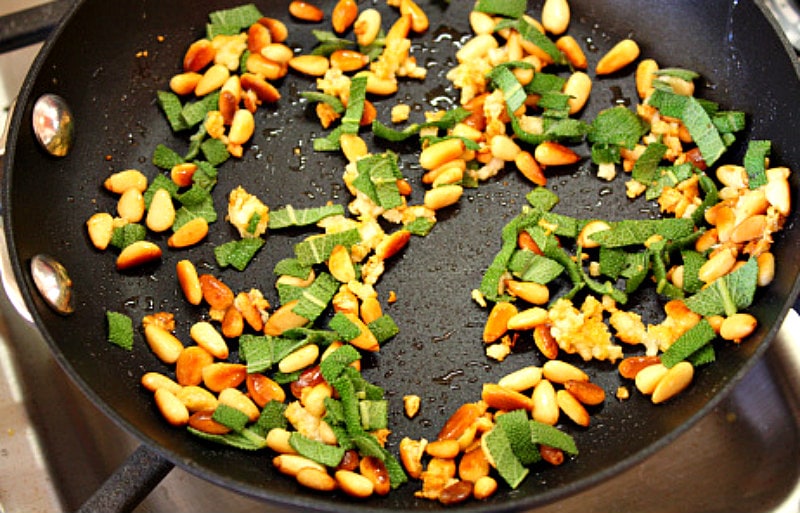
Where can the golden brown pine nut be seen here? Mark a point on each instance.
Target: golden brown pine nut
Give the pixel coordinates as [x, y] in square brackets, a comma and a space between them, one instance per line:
[447, 449]
[139, 253]
[718, 265]
[442, 196]
[578, 86]
[348, 60]
[497, 323]
[778, 191]
[258, 37]
[476, 48]
[503, 398]
[199, 55]
[284, 319]
[622, 54]
[529, 168]
[184, 83]
[545, 405]
[572, 408]
[370, 310]
[645, 74]
[100, 228]
[190, 363]
[171, 407]
[306, 11]
[277, 52]
[630, 367]
[121, 181]
[343, 15]
[353, 147]
[586, 392]
[221, 375]
[534, 293]
[481, 22]
[189, 281]
[504, 148]
[449, 176]
[277, 29]
[311, 65]
[260, 66]
[212, 80]
[204, 421]
[316, 479]
[340, 264]
[766, 268]
[675, 380]
[484, 487]
[572, 50]
[419, 20]
[375, 470]
[440, 153]
[383, 86]
[554, 154]
[751, 228]
[242, 127]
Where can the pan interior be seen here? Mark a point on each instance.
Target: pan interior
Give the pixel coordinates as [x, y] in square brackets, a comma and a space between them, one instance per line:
[109, 71]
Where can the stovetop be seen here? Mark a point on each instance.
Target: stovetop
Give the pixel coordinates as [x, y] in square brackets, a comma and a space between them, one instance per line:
[56, 448]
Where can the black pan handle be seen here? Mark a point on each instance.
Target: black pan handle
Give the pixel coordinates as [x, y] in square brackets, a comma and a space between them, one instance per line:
[29, 26]
[130, 483]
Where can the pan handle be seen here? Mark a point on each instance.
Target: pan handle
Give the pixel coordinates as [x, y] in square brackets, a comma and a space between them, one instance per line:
[128, 486]
[29, 26]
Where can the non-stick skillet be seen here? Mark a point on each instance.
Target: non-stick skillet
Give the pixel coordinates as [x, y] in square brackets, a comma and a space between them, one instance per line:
[107, 59]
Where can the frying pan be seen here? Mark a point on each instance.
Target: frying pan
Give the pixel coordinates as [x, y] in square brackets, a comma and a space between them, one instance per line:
[107, 60]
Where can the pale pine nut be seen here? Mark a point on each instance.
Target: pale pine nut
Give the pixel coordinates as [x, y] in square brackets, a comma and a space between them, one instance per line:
[592, 227]
[152, 381]
[163, 343]
[497, 323]
[367, 26]
[100, 228]
[313, 398]
[442, 196]
[236, 399]
[184, 83]
[139, 253]
[674, 381]
[431, 176]
[353, 147]
[645, 74]
[121, 181]
[534, 293]
[131, 206]
[196, 398]
[189, 281]
[450, 175]
[440, 153]
[311, 65]
[503, 398]
[484, 487]
[161, 214]
[299, 359]
[476, 48]
[522, 379]
[242, 127]
[572, 50]
[189, 234]
[354, 484]
[212, 80]
[291, 464]
[527, 319]
[551, 153]
[504, 148]
[171, 408]
[278, 441]
[555, 16]
[679, 85]
[777, 189]
[731, 175]
[277, 52]
[558, 371]
[622, 54]
[467, 131]
[447, 449]
[718, 265]
[190, 363]
[572, 408]
[481, 22]
[545, 406]
[316, 479]
[578, 86]
[738, 327]
[766, 268]
[206, 336]
[382, 86]
[647, 379]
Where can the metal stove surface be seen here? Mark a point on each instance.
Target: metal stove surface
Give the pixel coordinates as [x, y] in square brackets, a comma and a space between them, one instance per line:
[56, 448]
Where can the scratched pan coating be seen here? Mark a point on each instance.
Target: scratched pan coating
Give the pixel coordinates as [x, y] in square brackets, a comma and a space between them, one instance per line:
[96, 61]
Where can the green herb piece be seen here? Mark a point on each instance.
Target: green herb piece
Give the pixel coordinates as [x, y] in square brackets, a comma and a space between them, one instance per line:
[689, 343]
[450, 119]
[195, 141]
[630, 232]
[355, 105]
[545, 82]
[230, 417]
[542, 198]
[196, 202]
[374, 414]
[507, 8]
[194, 113]
[506, 462]
[240, 17]
[513, 92]
[125, 235]
[636, 270]
[330, 142]
[754, 162]
[285, 378]
[644, 170]
[668, 176]
[205, 176]
[683, 74]
[729, 121]
[316, 250]
[287, 292]
[604, 153]
[214, 151]
[612, 261]
[728, 294]
[328, 455]
[383, 328]
[171, 106]
[329, 43]
[618, 126]
[420, 226]
[528, 266]
[238, 253]
[692, 262]
[532, 34]
[290, 216]
[245, 439]
[271, 417]
[315, 298]
[335, 363]
[703, 356]
[256, 351]
[561, 225]
[292, 267]
[703, 131]
[550, 436]
[317, 97]
[711, 198]
[491, 278]
[344, 327]
[347, 396]
[518, 431]
[120, 330]
[166, 158]
[602, 289]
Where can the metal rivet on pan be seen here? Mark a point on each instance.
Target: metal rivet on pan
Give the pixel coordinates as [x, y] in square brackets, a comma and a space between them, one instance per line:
[53, 124]
[53, 282]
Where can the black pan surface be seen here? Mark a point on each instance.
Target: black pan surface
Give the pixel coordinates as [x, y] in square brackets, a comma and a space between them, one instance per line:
[107, 61]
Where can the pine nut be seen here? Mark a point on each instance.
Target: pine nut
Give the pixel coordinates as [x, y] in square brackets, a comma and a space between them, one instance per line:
[645, 74]
[504, 148]
[675, 380]
[182, 174]
[196, 398]
[100, 228]
[751, 228]
[648, 378]
[212, 80]
[277, 52]
[375, 470]
[284, 319]
[299, 359]
[777, 190]
[447, 449]
[528, 319]
[278, 441]
[152, 381]
[306, 11]
[258, 37]
[161, 214]
[171, 408]
[262, 67]
[622, 54]
[558, 371]
[473, 465]
[189, 281]
[370, 310]
[497, 323]
[586, 392]
[316, 479]
[738, 327]
[367, 26]
[534, 293]
[242, 127]
[353, 147]
[392, 244]
[442, 196]
[431, 176]
[221, 375]
[236, 399]
[449, 176]
[529, 168]
[190, 363]
[232, 325]
[572, 408]
[476, 48]
[481, 22]
[204, 421]
[484, 487]
[553, 154]
[419, 20]
[573, 52]
[545, 405]
[207, 337]
[263, 389]
[291, 464]
[354, 484]
[189, 234]
[555, 16]
[523, 379]
[218, 295]
[381, 86]
[311, 65]
[502, 398]
[121, 181]
[718, 265]
[348, 60]
[340, 264]
[139, 253]
[578, 86]
[629, 367]
[199, 55]
[131, 206]
[766, 268]
[277, 29]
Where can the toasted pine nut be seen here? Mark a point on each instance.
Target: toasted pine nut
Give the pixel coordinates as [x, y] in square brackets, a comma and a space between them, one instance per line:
[473, 465]
[367, 26]
[207, 337]
[171, 407]
[260, 66]
[751, 228]
[528, 319]
[476, 48]
[299, 359]
[306, 11]
[152, 381]
[100, 228]
[343, 15]
[578, 86]
[197, 398]
[534, 293]
[522, 379]
[382, 86]
[284, 319]
[503, 398]
[311, 65]
[572, 408]
[622, 54]
[161, 213]
[258, 37]
[529, 168]
[574, 53]
[558, 371]
[555, 16]
[348, 60]
[551, 153]
[586, 392]
[442, 196]
[447, 449]
[353, 146]
[277, 52]
[450, 175]
[645, 76]
[392, 243]
[221, 375]
[738, 326]
[484, 487]
[675, 380]
[199, 55]
[718, 265]
[182, 174]
[184, 83]
[277, 29]
[242, 127]
[545, 405]
[139, 253]
[354, 484]
[212, 80]
[370, 310]
[204, 421]
[647, 378]
[291, 464]
[731, 175]
[131, 206]
[497, 323]
[189, 234]
[189, 281]
[419, 20]
[630, 367]
[190, 363]
[340, 264]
